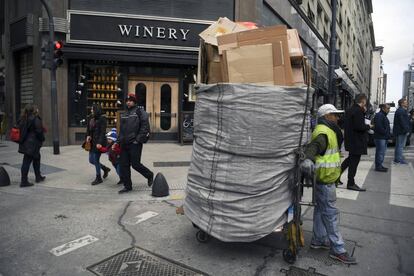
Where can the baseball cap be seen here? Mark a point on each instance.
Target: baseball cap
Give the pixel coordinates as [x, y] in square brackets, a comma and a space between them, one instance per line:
[131, 97]
[328, 109]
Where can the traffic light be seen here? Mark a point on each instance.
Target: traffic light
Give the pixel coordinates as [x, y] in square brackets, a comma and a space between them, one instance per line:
[45, 56]
[58, 54]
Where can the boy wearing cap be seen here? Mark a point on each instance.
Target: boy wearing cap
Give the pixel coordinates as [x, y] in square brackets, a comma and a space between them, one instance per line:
[132, 135]
[323, 159]
[114, 152]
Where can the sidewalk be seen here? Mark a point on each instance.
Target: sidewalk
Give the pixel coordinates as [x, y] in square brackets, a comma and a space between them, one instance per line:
[71, 169]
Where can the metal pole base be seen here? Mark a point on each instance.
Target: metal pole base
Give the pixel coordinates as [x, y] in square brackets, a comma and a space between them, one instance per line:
[56, 147]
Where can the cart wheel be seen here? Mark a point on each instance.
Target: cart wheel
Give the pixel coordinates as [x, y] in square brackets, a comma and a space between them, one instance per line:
[289, 256]
[202, 237]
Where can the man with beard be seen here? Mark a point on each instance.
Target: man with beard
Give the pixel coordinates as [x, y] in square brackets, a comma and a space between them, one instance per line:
[322, 158]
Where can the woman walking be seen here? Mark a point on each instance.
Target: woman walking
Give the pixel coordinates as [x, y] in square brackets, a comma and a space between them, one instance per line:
[31, 140]
[95, 134]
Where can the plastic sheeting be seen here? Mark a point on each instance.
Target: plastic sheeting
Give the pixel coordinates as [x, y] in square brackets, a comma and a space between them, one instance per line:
[243, 160]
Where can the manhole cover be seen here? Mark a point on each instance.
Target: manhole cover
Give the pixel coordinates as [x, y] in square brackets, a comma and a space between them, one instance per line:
[297, 271]
[137, 261]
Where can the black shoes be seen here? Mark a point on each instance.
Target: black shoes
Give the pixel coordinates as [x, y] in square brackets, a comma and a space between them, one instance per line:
[382, 169]
[150, 180]
[98, 180]
[26, 184]
[355, 187]
[40, 178]
[124, 190]
[106, 171]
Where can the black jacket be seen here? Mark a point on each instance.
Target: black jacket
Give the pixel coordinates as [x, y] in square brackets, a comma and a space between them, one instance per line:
[381, 126]
[356, 136]
[97, 129]
[131, 129]
[32, 136]
[401, 122]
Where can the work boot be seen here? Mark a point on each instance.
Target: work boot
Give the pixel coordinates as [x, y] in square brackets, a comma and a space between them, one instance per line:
[106, 171]
[98, 180]
[25, 183]
[343, 257]
[150, 180]
[40, 178]
[124, 190]
[381, 169]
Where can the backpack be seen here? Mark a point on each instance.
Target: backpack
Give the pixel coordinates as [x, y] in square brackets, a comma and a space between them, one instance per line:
[145, 127]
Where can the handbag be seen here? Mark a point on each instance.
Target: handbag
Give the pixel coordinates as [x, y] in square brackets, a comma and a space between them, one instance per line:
[86, 145]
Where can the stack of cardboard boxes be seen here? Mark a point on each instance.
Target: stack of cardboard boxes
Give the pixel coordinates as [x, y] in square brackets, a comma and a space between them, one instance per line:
[231, 52]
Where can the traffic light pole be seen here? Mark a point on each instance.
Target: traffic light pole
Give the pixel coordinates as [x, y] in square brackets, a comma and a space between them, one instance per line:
[332, 53]
[53, 87]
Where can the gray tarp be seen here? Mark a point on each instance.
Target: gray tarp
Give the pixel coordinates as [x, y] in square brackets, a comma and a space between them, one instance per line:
[243, 159]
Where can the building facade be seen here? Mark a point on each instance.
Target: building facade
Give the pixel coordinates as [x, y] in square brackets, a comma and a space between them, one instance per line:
[408, 86]
[377, 93]
[150, 48]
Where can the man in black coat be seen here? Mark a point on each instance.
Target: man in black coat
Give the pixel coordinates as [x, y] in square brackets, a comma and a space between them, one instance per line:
[132, 135]
[356, 139]
[382, 133]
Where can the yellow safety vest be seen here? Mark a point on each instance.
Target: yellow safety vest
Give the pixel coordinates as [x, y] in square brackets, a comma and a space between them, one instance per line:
[328, 166]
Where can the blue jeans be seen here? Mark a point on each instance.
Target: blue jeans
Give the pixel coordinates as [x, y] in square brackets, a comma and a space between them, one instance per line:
[325, 218]
[380, 149]
[94, 160]
[400, 141]
[118, 169]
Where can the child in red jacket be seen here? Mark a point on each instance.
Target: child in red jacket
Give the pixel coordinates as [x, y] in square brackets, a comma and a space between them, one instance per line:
[114, 151]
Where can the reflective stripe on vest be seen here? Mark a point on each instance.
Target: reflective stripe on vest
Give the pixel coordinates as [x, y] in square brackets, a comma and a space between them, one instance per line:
[328, 166]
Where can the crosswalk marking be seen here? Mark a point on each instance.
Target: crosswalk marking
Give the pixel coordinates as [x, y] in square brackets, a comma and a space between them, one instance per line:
[402, 185]
[73, 245]
[362, 172]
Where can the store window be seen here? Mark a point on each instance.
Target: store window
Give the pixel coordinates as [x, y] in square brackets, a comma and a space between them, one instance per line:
[98, 84]
[165, 107]
[141, 95]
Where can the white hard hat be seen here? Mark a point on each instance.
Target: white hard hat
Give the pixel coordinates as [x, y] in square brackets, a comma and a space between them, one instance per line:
[328, 109]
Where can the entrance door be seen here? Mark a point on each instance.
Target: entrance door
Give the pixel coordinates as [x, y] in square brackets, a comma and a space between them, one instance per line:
[159, 97]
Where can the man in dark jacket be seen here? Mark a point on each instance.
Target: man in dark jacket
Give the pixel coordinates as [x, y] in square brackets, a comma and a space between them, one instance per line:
[132, 135]
[382, 133]
[356, 139]
[401, 129]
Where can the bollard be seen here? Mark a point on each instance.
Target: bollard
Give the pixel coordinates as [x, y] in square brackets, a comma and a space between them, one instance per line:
[160, 187]
[4, 177]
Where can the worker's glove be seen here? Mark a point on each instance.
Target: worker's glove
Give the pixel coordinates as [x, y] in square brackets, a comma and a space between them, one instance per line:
[307, 167]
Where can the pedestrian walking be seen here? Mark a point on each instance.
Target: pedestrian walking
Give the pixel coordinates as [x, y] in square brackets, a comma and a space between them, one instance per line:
[401, 129]
[133, 133]
[356, 139]
[323, 159]
[95, 134]
[114, 152]
[31, 140]
[382, 133]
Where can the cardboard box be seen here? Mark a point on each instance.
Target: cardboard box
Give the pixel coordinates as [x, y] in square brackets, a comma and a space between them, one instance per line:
[295, 47]
[222, 26]
[250, 64]
[275, 35]
[214, 74]
[298, 77]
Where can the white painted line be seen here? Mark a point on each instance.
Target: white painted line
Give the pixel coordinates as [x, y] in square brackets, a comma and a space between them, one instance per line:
[142, 217]
[402, 185]
[73, 245]
[362, 173]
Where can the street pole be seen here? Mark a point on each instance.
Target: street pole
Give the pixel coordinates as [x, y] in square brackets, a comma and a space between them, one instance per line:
[53, 88]
[332, 54]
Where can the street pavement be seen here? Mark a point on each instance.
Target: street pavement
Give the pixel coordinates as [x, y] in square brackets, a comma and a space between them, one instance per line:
[64, 225]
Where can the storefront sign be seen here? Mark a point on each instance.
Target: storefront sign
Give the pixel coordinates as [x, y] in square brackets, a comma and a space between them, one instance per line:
[113, 29]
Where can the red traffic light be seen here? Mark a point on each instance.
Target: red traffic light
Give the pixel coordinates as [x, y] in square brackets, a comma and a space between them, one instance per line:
[58, 45]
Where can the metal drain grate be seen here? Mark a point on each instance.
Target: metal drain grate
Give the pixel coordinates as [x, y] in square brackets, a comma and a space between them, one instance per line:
[172, 164]
[137, 261]
[297, 271]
